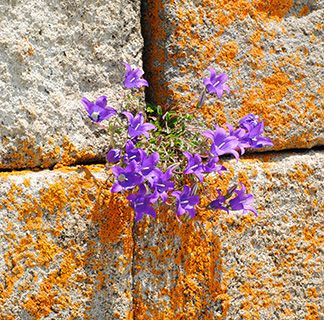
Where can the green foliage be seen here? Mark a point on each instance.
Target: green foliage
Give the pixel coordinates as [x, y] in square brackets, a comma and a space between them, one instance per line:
[175, 133]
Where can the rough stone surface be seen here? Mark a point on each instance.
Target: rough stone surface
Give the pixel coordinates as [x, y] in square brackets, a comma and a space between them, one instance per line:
[234, 266]
[65, 247]
[51, 54]
[271, 50]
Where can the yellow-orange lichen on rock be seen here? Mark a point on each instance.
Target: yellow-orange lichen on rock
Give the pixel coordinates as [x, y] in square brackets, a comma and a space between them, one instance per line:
[222, 265]
[66, 239]
[254, 43]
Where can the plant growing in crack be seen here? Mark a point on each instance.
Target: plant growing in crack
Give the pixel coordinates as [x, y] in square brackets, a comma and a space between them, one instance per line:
[162, 156]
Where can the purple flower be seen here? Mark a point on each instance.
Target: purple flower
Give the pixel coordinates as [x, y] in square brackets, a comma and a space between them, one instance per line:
[221, 143]
[253, 136]
[162, 183]
[133, 153]
[185, 201]
[242, 201]
[98, 111]
[218, 203]
[126, 178]
[240, 134]
[194, 165]
[137, 125]
[216, 83]
[133, 78]
[149, 163]
[113, 155]
[251, 120]
[212, 166]
[141, 203]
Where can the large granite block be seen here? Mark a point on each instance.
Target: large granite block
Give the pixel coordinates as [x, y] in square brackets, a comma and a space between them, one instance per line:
[272, 52]
[233, 266]
[51, 54]
[65, 247]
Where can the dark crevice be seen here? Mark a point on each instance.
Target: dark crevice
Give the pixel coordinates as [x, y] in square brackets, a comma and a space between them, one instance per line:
[102, 162]
[51, 168]
[145, 31]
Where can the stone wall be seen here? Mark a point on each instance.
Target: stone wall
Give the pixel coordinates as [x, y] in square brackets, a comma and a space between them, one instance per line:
[69, 248]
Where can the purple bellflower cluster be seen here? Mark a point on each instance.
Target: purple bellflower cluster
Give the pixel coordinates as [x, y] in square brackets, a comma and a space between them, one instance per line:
[149, 183]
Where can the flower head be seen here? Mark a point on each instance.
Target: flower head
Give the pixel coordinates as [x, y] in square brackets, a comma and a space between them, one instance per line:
[141, 203]
[133, 78]
[162, 183]
[185, 201]
[133, 153]
[242, 201]
[98, 111]
[137, 126]
[221, 142]
[218, 203]
[216, 83]
[126, 178]
[240, 134]
[113, 155]
[249, 120]
[148, 165]
[253, 132]
[194, 165]
[212, 166]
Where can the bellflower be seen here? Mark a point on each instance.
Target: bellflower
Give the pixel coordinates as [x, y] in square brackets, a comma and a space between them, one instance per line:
[185, 201]
[216, 83]
[240, 134]
[141, 203]
[218, 203]
[254, 138]
[221, 143]
[113, 155]
[254, 129]
[242, 201]
[133, 153]
[126, 178]
[133, 78]
[251, 120]
[194, 165]
[148, 165]
[162, 183]
[98, 111]
[212, 166]
[137, 126]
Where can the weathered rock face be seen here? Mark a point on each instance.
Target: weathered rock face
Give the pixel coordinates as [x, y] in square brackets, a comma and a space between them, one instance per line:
[68, 248]
[271, 50]
[52, 54]
[65, 247]
[234, 266]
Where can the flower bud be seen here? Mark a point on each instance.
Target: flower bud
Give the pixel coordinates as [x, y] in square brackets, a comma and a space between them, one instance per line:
[113, 155]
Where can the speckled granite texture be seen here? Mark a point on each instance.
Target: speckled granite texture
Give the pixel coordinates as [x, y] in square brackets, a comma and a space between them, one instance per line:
[65, 247]
[272, 52]
[69, 248]
[51, 54]
[234, 266]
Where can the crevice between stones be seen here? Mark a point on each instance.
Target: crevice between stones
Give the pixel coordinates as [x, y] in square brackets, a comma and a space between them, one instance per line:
[102, 162]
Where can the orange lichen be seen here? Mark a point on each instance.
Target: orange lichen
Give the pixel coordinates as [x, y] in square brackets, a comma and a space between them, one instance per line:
[188, 49]
[27, 154]
[304, 11]
[197, 260]
[33, 234]
[228, 52]
[273, 8]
